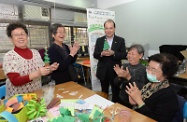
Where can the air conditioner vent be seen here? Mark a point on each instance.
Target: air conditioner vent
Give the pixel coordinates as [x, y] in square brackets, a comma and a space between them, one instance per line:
[36, 13]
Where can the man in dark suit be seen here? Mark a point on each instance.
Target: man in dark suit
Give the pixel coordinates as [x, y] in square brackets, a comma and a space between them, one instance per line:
[109, 50]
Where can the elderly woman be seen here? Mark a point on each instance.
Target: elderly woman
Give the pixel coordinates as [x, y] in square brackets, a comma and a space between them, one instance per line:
[23, 66]
[61, 53]
[156, 99]
[133, 71]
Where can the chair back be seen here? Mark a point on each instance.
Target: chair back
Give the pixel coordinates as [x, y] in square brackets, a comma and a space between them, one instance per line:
[179, 116]
[2, 91]
[185, 112]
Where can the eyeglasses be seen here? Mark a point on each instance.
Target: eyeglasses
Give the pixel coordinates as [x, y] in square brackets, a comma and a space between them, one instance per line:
[18, 35]
[153, 70]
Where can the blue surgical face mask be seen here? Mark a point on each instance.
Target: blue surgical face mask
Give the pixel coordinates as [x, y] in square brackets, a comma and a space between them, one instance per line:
[152, 78]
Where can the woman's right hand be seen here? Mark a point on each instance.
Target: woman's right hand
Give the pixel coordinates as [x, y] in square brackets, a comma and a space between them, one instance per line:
[121, 72]
[74, 49]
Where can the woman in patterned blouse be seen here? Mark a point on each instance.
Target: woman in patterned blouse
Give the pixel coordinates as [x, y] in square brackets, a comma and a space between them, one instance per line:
[23, 66]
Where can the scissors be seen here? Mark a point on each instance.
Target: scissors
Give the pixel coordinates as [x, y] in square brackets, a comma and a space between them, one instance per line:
[114, 111]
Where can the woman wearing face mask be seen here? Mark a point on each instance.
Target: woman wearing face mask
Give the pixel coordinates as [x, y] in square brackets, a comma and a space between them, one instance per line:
[156, 99]
[130, 72]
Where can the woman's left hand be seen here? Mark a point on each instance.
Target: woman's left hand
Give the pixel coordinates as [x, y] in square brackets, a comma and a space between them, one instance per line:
[54, 66]
[134, 93]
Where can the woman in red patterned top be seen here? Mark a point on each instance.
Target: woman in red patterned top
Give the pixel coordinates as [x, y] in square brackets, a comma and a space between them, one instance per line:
[23, 66]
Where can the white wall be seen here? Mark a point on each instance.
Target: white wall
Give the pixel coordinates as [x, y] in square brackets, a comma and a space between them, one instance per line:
[155, 22]
[104, 4]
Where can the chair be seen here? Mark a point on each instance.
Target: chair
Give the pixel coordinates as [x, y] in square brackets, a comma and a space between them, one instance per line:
[185, 112]
[174, 50]
[2, 91]
[78, 66]
[42, 51]
[179, 116]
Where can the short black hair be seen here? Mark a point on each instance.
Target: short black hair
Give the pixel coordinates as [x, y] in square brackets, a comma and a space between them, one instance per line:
[110, 20]
[13, 26]
[168, 63]
[54, 28]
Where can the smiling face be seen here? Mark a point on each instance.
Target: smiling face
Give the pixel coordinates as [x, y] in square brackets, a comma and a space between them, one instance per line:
[133, 56]
[59, 36]
[109, 29]
[19, 38]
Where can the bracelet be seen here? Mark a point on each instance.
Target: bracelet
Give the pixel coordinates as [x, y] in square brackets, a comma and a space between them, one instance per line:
[141, 105]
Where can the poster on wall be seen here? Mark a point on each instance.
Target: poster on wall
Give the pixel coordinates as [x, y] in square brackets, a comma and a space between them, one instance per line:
[95, 21]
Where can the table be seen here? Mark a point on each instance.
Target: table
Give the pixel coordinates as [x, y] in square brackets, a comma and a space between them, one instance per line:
[65, 88]
[183, 76]
[85, 93]
[80, 61]
[135, 116]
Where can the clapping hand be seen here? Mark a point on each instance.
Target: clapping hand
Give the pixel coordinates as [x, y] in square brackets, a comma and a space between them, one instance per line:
[134, 94]
[121, 72]
[74, 49]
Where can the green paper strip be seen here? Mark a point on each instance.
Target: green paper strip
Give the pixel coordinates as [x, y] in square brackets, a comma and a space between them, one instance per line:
[63, 119]
[36, 109]
[94, 110]
[83, 117]
[64, 112]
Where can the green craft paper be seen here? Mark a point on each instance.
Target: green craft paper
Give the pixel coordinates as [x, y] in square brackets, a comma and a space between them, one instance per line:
[83, 117]
[93, 111]
[72, 110]
[69, 100]
[68, 119]
[21, 116]
[36, 109]
[97, 116]
[106, 45]
[63, 119]
[65, 112]
[59, 119]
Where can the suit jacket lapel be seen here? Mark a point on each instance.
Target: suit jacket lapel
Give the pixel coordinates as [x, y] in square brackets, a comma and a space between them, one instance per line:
[114, 43]
[103, 41]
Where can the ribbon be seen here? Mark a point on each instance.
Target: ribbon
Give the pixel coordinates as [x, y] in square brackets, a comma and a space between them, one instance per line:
[36, 108]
